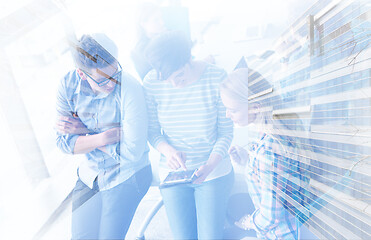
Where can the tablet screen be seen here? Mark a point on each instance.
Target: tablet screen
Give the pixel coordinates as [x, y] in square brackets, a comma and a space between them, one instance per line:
[177, 177]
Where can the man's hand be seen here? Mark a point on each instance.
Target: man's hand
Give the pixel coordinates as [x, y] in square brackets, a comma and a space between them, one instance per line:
[111, 136]
[71, 125]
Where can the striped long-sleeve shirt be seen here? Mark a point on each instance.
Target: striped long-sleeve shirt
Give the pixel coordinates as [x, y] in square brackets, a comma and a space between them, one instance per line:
[191, 119]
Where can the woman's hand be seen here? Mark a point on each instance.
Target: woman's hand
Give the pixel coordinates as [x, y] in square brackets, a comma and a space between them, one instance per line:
[202, 173]
[176, 159]
[207, 168]
[71, 125]
[238, 154]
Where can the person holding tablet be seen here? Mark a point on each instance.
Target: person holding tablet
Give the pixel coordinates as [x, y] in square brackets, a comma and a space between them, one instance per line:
[187, 125]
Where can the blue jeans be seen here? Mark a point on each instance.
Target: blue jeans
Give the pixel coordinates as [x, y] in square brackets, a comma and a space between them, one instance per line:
[107, 214]
[198, 211]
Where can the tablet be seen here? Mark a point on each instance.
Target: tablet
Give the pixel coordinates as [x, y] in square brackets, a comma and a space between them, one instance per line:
[179, 177]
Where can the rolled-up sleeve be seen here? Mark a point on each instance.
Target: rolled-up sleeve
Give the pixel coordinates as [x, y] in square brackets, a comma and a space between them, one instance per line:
[65, 142]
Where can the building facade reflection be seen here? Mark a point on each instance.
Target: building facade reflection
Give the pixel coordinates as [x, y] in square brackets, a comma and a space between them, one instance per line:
[320, 78]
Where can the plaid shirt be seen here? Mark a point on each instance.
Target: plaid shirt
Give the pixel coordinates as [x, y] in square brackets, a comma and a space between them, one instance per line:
[268, 179]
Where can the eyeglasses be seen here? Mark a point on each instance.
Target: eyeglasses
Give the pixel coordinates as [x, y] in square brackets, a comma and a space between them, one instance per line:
[106, 78]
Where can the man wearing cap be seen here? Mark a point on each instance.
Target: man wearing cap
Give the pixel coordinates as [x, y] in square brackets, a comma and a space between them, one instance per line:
[102, 114]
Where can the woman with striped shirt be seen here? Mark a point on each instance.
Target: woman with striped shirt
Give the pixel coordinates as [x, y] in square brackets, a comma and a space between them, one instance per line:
[187, 125]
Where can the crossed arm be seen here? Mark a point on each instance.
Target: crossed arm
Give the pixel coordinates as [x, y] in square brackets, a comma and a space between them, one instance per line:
[87, 141]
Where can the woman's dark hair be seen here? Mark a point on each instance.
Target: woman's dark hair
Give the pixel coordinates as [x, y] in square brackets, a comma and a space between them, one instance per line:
[168, 52]
[89, 54]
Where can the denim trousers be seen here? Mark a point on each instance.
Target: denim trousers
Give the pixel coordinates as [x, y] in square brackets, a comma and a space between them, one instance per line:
[107, 214]
[198, 211]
